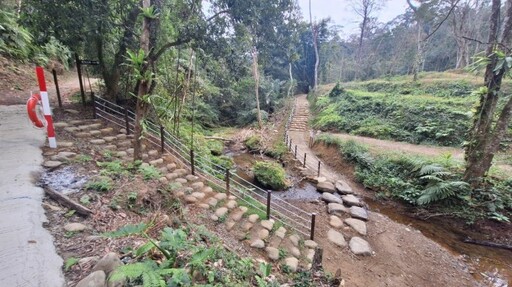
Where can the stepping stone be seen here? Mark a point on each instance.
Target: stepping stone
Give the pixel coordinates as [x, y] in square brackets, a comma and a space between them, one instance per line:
[153, 152]
[96, 126]
[273, 253]
[71, 129]
[292, 263]
[170, 166]
[188, 190]
[335, 221]
[331, 198]
[126, 143]
[263, 234]
[52, 164]
[281, 232]
[82, 135]
[96, 278]
[230, 225]
[336, 208]
[144, 164]
[198, 195]
[123, 131]
[207, 189]
[75, 227]
[76, 122]
[295, 240]
[214, 217]
[212, 202]
[359, 246]
[320, 179]
[190, 199]
[121, 137]
[130, 150]
[253, 218]
[108, 263]
[326, 187]
[171, 176]
[231, 204]
[64, 155]
[181, 180]
[343, 188]
[351, 200]
[294, 251]
[196, 185]
[267, 224]
[310, 255]
[65, 144]
[221, 211]
[358, 225]
[190, 177]
[163, 180]
[243, 209]
[95, 133]
[204, 206]
[97, 141]
[359, 212]
[61, 125]
[336, 238]
[111, 147]
[310, 244]
[247, 226]
[109, 139]
[258, 243]
[156, 162]
[121, 154]
[221, 196]
[104, 131]
[83, 127]
[181, 172]
[238, 215]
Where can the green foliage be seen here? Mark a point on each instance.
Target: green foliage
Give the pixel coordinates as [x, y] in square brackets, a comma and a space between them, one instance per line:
[15, 40]
[253, 143]
[425, 114]
[101, 183]
[149, 172]
[70, 262]
[127, 230]
[270, 175]
[114, 169]
[82, 158]
[277, 151]
[337, 91]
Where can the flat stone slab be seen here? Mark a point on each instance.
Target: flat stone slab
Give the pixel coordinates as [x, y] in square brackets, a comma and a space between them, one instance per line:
[336, 208]
[258, 243]
[52, 163]
[273, 253]
[221, 211]
[121, 154]
[181, 180]
[196, 185]
[281, 232]
[82, 135]
[189, 177]
[231, 204]
[156, 162]
[351, 200]
[359, 212]
[310, 244]
[326, 186]
[65, 144]
[198, 195]
[121, 136]
[75, 227]
[109, 139]
[335, 221]
[294, 239]
[292, 263]
[237, 215]
[331, 198]
[263, 234]
[343, 187]
[64, 155]
[310, 254]
[153, 152]
[97, 141]
[294, 251]
[221, 196]
[253, 218]
[108, 263]
[212, 202]
[170, 166]
[104, 131]
[359, 246]
[171, 176]
[358, 225]
[61, 125]
[94, 133]
[190, 199]
[207, 189]
[267, 224]
[96, 279]
[336, 238]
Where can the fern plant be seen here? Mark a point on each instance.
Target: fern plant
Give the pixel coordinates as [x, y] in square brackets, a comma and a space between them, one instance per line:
[439, 184]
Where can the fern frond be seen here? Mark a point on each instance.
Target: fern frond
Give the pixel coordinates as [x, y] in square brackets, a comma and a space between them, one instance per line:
[127, 230]
[432, 178]
[431, 169]
[132, 271]
[441, 191]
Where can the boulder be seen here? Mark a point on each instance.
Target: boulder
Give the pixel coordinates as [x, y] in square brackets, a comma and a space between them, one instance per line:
[359, 212]
[343, 188]
[336, 208]
[359, 246]
[75, 227]
[336, 238]
[258, 243]
[335, 221]
[351, 200]
[273, 253]
[292, 263]
[331, 198]
[358, 225]
[326, 186]
[108, 263]
[95, 279]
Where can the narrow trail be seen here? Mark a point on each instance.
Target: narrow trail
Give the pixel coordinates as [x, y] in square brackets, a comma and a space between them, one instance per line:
[402, 256]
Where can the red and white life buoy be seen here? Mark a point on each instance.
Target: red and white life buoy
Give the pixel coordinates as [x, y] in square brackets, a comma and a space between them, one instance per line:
[33, 104]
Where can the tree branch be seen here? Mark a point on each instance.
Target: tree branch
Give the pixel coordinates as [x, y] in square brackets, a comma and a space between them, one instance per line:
[441, 23]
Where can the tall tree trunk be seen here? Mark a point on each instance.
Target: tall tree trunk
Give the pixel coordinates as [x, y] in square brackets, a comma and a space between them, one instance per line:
[256, 75]
[418, 60]
[484, 136]
[291, 79]
[314, 32]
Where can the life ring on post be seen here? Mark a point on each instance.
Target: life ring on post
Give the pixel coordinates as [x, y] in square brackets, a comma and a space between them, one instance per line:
[32, 104]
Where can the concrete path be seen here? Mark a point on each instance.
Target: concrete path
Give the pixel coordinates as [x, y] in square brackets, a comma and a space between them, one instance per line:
[27, 253]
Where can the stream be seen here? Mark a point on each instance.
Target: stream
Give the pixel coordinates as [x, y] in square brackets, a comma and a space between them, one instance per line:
[490, 266]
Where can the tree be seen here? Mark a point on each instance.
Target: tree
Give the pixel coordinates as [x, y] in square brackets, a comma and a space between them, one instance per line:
[490, 124]
[314, 34]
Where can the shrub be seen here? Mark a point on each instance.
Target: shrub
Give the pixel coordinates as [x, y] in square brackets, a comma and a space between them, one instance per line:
[101, 183]
[270, 175]
[253, 143]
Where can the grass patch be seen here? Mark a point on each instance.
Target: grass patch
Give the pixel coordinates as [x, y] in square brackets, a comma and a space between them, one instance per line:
[101, 183]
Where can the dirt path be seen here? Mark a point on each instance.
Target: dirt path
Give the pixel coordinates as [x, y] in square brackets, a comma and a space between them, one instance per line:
[402, 255]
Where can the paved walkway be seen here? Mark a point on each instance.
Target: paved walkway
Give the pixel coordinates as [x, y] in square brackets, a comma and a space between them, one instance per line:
[27, 253]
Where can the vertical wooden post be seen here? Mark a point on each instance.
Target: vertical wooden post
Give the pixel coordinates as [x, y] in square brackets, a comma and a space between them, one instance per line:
[228, 175]
[313, 221]
[295, 151]
[318, 175]
[192, 166]
[79, 71]
[127, 123]
[56, 81]
[269, 195]
[93, 98]
[290, 147]
[162, 140]
[305, 154]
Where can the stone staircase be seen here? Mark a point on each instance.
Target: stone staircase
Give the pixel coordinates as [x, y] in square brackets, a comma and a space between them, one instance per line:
[300, 118]
[266, 237]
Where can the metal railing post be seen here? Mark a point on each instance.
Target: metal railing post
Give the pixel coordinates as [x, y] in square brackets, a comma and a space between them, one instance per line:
[162, 140]
[269, 195]
[295, 151]
[290, 147]
[318, 175]
[56, 81]
[192, 166]
[305, 154]
[228, 175]
[313, 220]
[126, 121]
[93, 98]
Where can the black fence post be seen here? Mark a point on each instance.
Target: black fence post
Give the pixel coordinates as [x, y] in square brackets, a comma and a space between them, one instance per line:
[192, 166]
[79, 71]
[228, 175]
[305, 154]
[93, 98]
[313, 220]
[318, 175]
[269, 195]
[290, 147]
[162, 140]
[126, 121]
[295, 151]
[56, 81]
